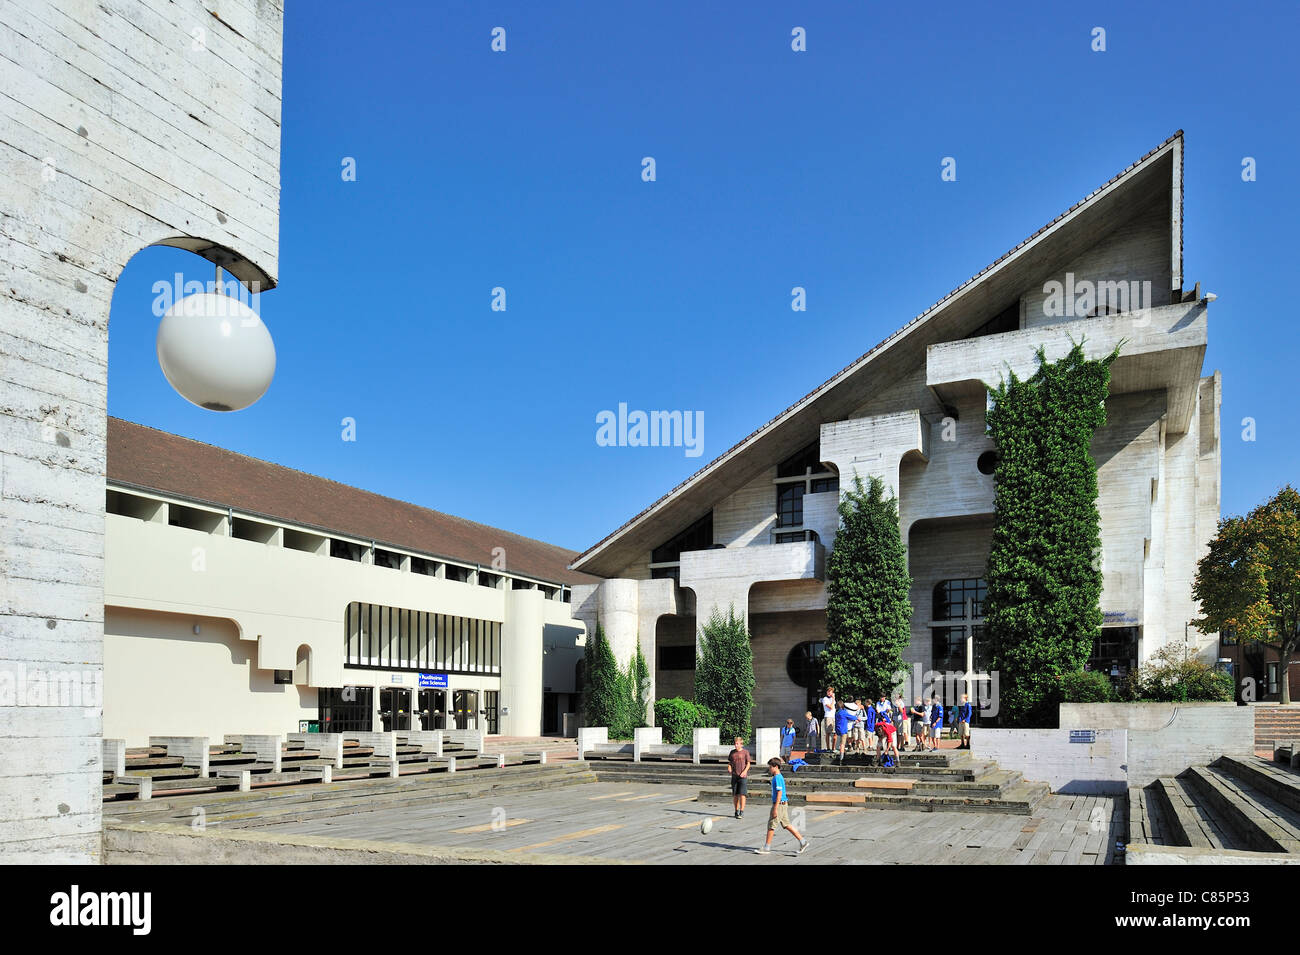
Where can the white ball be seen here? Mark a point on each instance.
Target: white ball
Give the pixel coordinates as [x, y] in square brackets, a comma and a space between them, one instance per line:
[216, 352]
[706, 826]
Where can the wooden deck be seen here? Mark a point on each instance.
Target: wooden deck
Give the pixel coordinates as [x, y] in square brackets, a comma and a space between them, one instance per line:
[660, 824]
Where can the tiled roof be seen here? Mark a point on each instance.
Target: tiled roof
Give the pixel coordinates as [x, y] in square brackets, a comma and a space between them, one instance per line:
[871, 351]
[155, 460]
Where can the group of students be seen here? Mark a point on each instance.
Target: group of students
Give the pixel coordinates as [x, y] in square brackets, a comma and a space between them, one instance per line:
[853, 723]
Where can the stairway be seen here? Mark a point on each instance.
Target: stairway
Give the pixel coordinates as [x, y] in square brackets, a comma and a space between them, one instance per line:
[1240, 803]
[1275, 722]
[950, 781]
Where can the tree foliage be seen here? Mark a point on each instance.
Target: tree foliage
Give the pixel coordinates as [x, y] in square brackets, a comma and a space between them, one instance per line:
[1249, 581]
[724, 673]
[678, 718]
[604, 691]
[1044, 578]
[868, 610]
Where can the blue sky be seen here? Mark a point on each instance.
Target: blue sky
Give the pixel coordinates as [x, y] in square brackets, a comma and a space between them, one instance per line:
[774, 169]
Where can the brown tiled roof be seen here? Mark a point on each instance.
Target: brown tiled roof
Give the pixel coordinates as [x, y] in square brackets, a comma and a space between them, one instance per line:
[857, 362]
[169, 464]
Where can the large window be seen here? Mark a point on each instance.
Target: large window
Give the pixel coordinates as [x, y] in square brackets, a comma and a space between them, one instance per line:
[957, 615]
[345, 709]
[950, 597]
[1114, 652]
[801, 473]
[392, 638]
[699, 536]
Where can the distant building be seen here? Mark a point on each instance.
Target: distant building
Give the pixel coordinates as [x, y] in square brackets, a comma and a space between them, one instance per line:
[751, 530]
[245, 597]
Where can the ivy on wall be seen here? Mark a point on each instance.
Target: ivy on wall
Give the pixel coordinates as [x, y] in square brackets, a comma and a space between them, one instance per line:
[1044, 575]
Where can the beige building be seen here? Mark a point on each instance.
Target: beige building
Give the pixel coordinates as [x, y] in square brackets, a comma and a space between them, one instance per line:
[245, 597]
[752, 528]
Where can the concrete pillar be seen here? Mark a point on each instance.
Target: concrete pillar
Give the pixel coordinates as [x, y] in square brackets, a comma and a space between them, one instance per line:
[521, 664]
[701, 739]
[767, 743]
[645, 736]
[589, 737]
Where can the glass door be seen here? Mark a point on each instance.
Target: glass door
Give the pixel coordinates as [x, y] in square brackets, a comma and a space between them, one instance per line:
[433, 709]
[465, 703]
[395, 708]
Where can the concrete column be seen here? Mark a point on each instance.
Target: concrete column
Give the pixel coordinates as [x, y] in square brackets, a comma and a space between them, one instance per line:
[521, 664]
[645, 736]
[767, 743]
[701, 739]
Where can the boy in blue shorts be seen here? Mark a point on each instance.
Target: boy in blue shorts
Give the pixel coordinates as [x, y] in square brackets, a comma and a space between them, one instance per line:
[780, 810]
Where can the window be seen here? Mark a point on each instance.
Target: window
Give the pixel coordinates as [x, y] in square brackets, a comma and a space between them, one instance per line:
[699, 536]
[1008, 320]
[666, 573]
[789, 505]
[392, 638]
[792, 538]
[677, 658]
[1114, 652]
[801, 664]
[987, 462]
[801, 462]
[345, 710]
[1273, 679]
[950, 598]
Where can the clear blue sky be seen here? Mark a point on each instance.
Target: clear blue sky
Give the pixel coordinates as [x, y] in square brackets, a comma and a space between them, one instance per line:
[775, 169]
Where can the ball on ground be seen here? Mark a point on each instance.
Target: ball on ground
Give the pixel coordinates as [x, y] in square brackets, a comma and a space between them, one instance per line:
[706, 826]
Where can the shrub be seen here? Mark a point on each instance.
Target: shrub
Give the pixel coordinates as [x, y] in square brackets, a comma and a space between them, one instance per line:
[679, 717]
[1170, 677]
[1086, 687]
[724, 673]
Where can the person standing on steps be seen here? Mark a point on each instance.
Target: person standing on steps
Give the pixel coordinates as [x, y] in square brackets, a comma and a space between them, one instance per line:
[963, 722]
[920, 721]
[780, 810]
[738, 763]
[936, 720]
[828, 719]
[787, 739]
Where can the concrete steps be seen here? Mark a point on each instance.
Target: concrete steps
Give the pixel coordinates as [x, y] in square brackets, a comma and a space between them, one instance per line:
[953, 782]
[271, 806]
[1276, 722]
[1236, 804]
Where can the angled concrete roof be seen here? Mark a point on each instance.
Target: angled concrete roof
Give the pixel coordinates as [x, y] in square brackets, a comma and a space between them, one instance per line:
[153, 460]
[1155, 177]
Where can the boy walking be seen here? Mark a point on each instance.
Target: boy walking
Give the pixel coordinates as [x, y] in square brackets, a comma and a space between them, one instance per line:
[780, 810]
[738, 763]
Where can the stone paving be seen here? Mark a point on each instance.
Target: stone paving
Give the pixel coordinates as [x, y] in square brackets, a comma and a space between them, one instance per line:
[661, 824]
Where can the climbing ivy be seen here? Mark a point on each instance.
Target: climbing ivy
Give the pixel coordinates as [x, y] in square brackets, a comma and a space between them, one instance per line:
[1044, 577]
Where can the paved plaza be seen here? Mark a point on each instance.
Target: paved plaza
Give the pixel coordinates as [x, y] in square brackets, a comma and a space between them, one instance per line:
[661, 824]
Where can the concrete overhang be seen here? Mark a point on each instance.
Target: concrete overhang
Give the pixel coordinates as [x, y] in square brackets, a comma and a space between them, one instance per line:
[1159, 348]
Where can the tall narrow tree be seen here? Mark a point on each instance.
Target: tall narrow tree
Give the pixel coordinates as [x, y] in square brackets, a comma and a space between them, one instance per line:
[868, 610]
[1249, 582]
[724, 673]
[1044, 576]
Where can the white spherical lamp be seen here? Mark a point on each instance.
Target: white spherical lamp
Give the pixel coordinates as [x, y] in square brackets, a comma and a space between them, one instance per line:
[216, 352]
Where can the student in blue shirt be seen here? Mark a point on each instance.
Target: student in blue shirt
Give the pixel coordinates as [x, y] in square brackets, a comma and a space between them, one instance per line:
[787, 739]
[936, 719]
[780, 810]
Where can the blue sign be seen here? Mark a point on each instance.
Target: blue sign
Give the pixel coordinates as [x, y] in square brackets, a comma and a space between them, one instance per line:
[437, 681]
[1083, 736]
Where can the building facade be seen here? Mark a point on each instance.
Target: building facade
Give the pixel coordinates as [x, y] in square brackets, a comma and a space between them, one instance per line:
[245, 597]
[751, 530]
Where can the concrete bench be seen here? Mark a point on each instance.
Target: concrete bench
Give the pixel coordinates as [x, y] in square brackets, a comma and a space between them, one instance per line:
[142, 784]
[114, 751]
[327, 746]
[428, 741]
[1287, 752]
[264, 748]
[534, 757]
[243, 776]
[193, 751]
[380, 744]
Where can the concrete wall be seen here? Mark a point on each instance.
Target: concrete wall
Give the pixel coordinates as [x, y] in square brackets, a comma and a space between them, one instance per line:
[118, 131]
[1166, 738]
[1097, 768]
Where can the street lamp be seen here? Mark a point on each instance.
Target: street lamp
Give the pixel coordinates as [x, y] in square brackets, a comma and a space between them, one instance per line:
[215, 351]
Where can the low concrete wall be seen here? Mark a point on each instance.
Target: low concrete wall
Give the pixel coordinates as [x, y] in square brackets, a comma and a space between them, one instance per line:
[1096, 768]
[1141, 853]
[1166, 738]
[157, 844]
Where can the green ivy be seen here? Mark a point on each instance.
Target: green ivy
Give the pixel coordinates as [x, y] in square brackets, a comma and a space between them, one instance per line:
[1044, 579]
[868, 610]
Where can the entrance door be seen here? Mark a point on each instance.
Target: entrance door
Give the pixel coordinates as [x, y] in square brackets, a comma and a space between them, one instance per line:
[465, 703]
[433, 709]
[395, 707]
